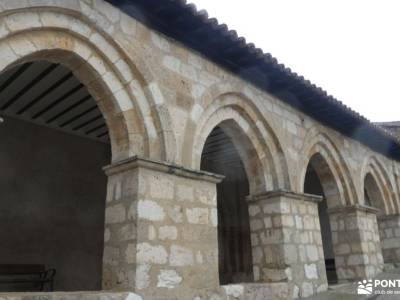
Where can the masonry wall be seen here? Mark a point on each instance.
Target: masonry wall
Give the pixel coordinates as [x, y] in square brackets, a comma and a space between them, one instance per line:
[161, 232]
[52, 191]
[194, 89]
[168, 99]
[181, 93]
[389, 233]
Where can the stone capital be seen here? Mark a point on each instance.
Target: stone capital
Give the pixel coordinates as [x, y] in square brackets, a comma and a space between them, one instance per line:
[135, 162]
[388, 217]
[284, 194]
[354, 208]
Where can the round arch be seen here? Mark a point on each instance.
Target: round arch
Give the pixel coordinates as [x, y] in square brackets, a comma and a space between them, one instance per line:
[381, 188]
[124, 96]
[257, 145]
[319, 145]
[373, 193]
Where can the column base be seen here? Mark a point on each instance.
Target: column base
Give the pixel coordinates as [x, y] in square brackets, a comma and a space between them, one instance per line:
[286, 241]
[389, 231]
[161, 230]
[356, 242]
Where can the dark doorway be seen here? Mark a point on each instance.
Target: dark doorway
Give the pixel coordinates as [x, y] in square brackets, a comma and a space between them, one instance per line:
[312, 185]
[220, 156]
[52, 186]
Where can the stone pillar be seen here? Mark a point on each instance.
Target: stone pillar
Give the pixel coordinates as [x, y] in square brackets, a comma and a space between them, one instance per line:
[161, 230]
[389, 233]
[286, 241]
[356, 243]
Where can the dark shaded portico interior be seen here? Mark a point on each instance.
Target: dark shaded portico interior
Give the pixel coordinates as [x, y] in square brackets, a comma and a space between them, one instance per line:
[52, 186]
[312, 185]
[235, 259]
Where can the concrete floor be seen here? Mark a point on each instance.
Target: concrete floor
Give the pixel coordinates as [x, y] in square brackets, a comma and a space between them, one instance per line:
[348, 291]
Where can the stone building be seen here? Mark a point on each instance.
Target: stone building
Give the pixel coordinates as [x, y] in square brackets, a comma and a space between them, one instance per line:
[393, 127]
[226, 175]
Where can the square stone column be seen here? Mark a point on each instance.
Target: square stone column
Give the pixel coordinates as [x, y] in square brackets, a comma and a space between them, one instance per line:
[389, 233]
[356, 242]
[161, 230]
[286, 241]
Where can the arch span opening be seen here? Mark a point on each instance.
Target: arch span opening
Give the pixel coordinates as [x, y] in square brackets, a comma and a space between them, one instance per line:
[221, 156]
[55, 142]
[372, 193]
[320, 181]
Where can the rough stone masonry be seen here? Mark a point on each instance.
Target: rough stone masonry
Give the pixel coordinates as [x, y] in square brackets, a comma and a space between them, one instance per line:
[161, 99]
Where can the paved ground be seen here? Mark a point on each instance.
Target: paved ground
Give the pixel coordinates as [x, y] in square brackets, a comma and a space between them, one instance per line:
[349, 291]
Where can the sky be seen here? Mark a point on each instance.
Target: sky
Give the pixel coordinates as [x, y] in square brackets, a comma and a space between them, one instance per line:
[350, 48]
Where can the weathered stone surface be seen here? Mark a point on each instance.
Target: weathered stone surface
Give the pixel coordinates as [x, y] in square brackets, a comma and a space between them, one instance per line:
[150, 210]
[127, 232]
[143, 276]
[147, 253]
[167, 233]
[169, 279]
[115, 214]
[161, 100]
[197, 215]
[162, 188]
[180, 256]
[311, 271]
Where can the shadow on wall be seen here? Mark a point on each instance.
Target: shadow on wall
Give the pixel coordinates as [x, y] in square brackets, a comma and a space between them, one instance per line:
[52, 204]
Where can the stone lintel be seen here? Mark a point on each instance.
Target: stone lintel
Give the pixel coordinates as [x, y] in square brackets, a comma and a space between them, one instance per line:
[353, 208]
[388, 217]
[164, 167]
[286, 194]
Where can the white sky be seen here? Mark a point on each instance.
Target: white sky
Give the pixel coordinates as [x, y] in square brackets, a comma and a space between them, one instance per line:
[350, 48]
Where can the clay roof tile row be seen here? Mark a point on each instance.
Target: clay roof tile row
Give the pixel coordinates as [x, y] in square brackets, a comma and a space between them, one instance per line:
[182, 21]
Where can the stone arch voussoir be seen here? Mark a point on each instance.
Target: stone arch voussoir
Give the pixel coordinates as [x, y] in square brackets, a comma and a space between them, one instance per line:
[379, 173]
[239, 118]
[131, 109]
[319, 143]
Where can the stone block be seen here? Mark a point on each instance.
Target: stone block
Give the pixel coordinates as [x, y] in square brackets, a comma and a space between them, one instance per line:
[168, 233]
[180, 256]
[161, 187]
[267, 222]
[274, 275]
[127, 232]
[312, 252]
[255, 225]
[254, 210]
[150, 210]
[142, 276]
[287, 220]
[343, 249]
[175, 213]
[257, 255]
[311, 271]
[169, 279]
[234, 290]
[147, 253]
[214, 217]
[197, 215]
[185, 193]
[115, 214]
[307, 289]
[299, 222]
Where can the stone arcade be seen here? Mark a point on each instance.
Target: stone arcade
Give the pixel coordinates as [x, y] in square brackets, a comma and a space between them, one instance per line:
[230, 177]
